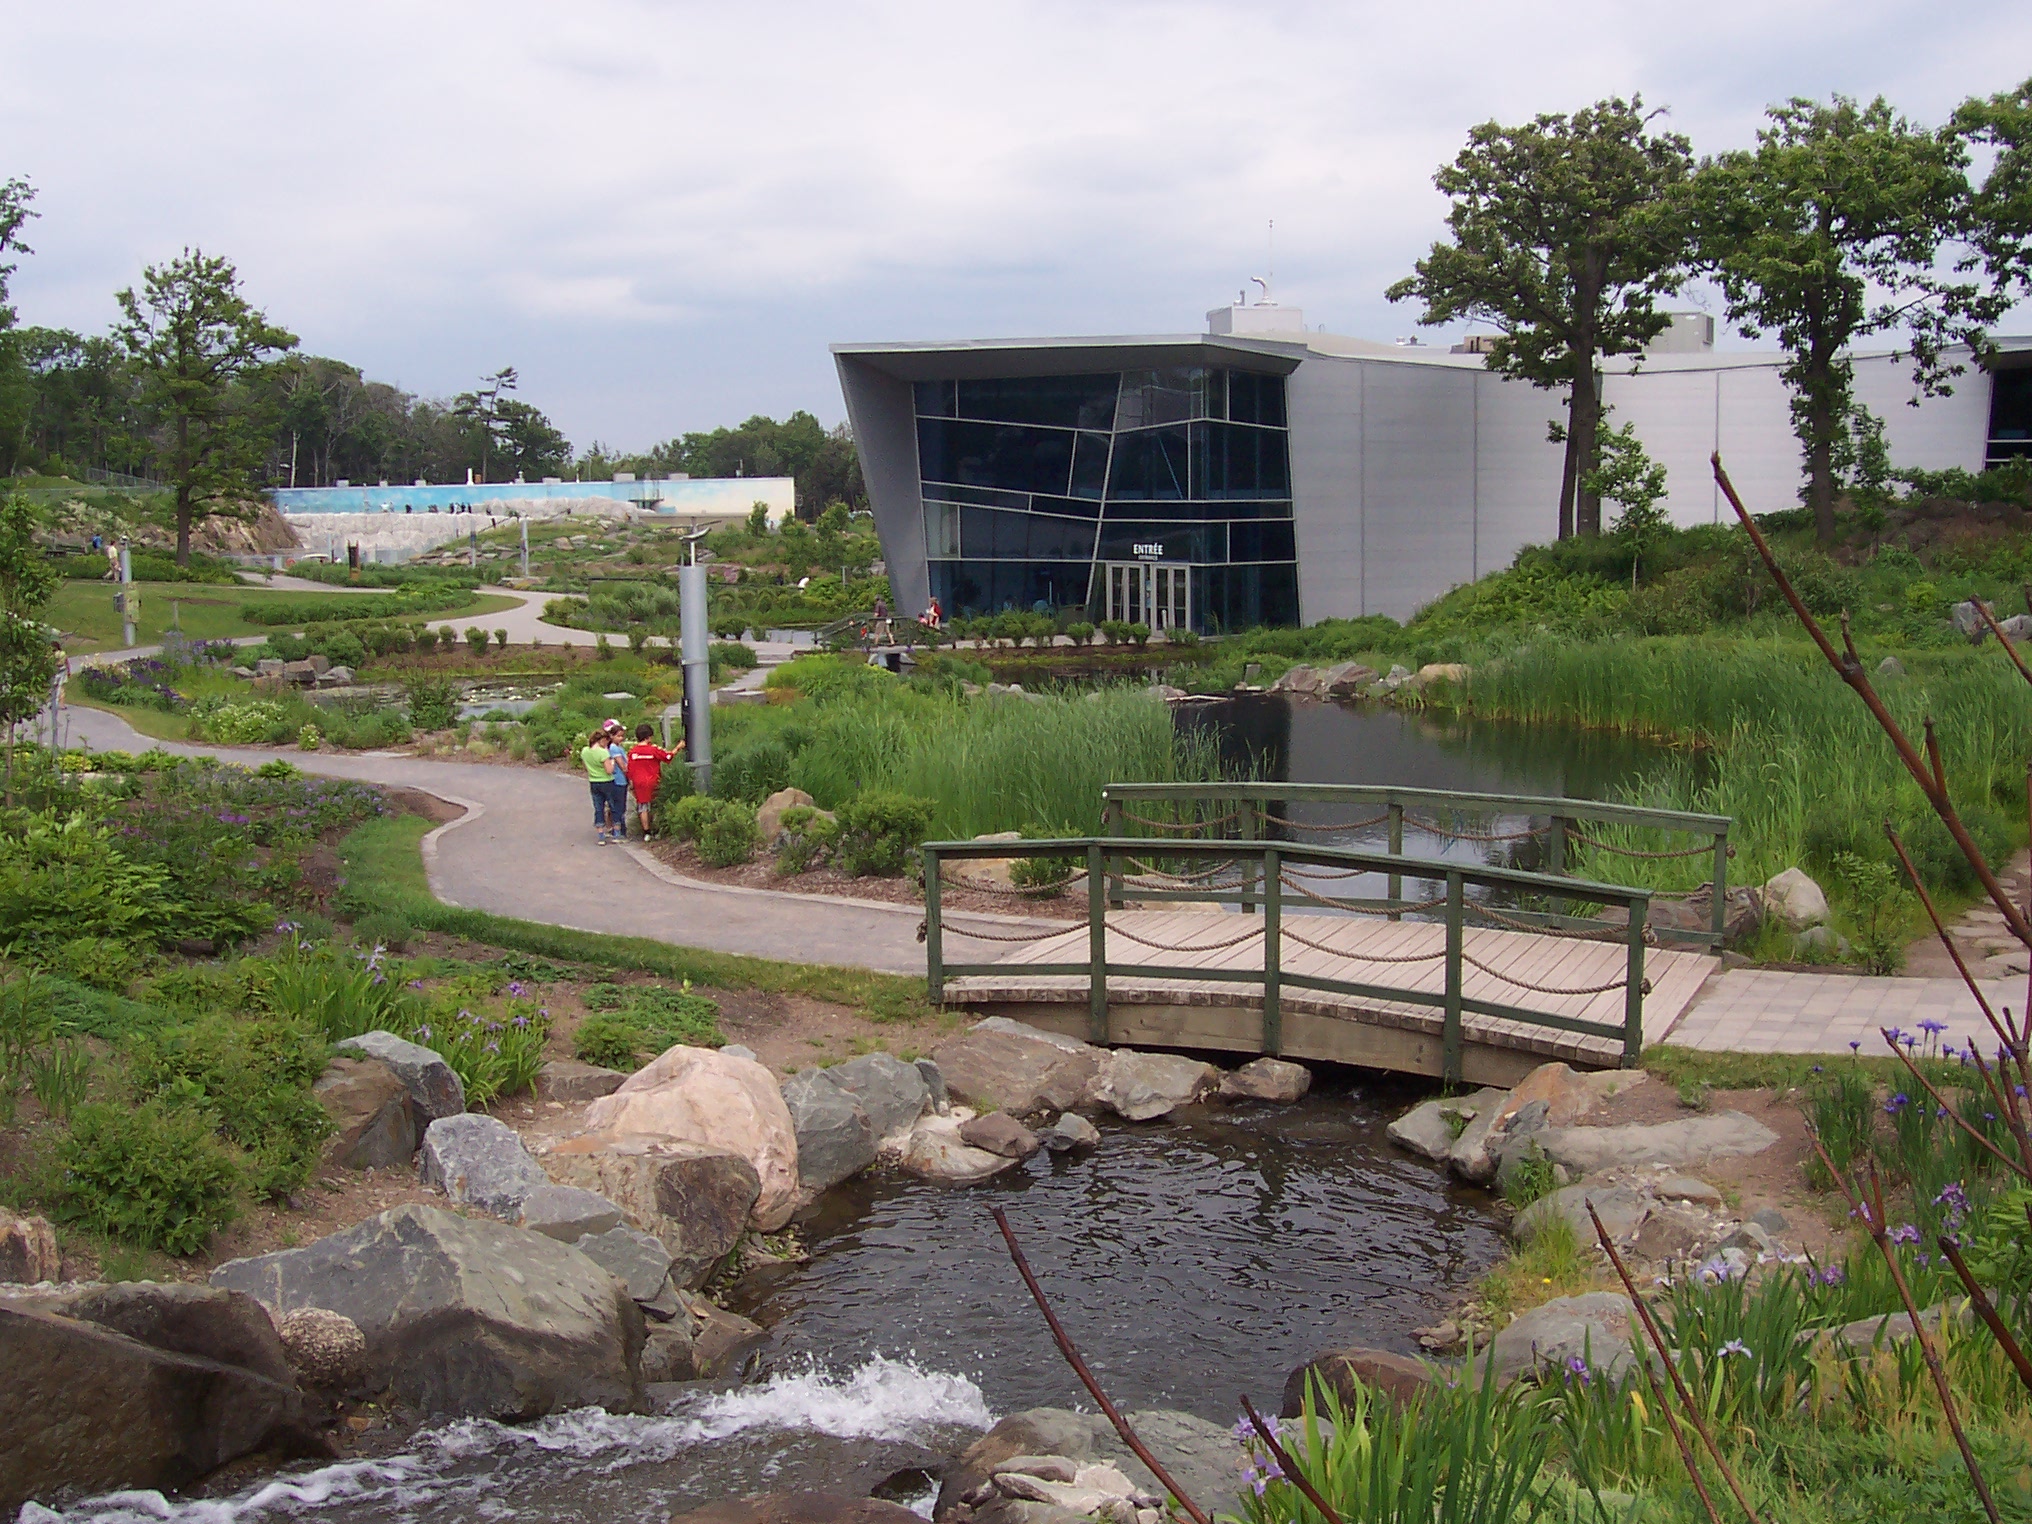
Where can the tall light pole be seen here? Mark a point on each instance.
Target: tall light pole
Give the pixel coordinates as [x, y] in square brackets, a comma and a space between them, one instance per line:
[130, 608]
[694, 635]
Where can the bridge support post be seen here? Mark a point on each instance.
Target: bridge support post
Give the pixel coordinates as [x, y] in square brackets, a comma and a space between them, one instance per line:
[1273, 954]
[934, 943]
[1097, 943]
[1633, 984]
[1251, 830]
[1555, 857]
[1111, 825]
[1396, 885]
[1450, 1033]
[1720, 909]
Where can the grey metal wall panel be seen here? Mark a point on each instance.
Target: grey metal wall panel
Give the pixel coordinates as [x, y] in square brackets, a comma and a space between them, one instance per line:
[1517, 471]
[883, 416]
[1418, 484]
[1323, 402]
[1674, 411]
[1941, 432]
[1753, 434]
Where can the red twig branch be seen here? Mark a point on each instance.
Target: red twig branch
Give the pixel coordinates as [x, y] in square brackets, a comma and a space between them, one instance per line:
[1287, 1465]
[1953, 1115]
[1079, 1369]
[1990, 619]
[1657, 1337]
[1849, 668]
[1980, 1300]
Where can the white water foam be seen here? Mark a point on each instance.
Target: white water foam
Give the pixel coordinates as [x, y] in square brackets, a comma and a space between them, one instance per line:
[882, 1400]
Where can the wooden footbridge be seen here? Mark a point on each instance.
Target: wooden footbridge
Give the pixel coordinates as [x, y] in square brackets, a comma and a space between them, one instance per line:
[1214, 931]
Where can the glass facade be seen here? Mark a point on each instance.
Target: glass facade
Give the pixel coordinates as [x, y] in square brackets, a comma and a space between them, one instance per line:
[2010, 414]
[1161, 496]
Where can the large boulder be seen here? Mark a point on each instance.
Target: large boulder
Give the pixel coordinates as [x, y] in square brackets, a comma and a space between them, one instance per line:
[1068, 1132]
[892, 1092]
[85, 1408]
[435, 1089]
[326, 1349]
[1597, 1326]
[463, 1316]
[835, 1138]
[1346, 679]
[935, 1150]
[998, 1064]
[1677, 1145]
[1622, 1209]
[637, 1259]
[205, 1322]
[570, 1082]
[1267, 1079]
[1000, 1133]
[1141, 1087]
[567, 1213]
[1204, 1458]
[373, 1125]
[478, 1161]
[28, 1250]
[693, 1198]
[1795, 901]
[727, 1104]
[769, 818]
[1341, 1371]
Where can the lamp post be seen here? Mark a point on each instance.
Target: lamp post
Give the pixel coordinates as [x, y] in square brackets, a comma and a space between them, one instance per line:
[693, 635]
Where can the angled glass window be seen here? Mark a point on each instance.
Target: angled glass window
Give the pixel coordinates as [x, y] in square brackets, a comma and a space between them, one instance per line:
[1162, 540]
[1070, 507]
[1007, 456]
[1065, 402]
[1151, 465]
[1055, 539]
[1263, 540]
[1242, 461]
[1172, 394]
[1254, 398]
[934, 399]
[1090, 465]
[941, 529]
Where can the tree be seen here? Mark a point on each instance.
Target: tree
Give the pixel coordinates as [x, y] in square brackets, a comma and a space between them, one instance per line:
[16, 395]
[2001, 211]
[1832, 229]
[530, 444]
[484, 407]
[28, 653]
[194, 341]
[758, 522]
[1566, 232]
[1627, 476]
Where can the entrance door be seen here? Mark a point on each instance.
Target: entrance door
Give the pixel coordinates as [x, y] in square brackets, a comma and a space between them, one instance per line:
[1156, 593]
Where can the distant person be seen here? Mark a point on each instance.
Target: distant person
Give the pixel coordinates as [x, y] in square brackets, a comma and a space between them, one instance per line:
[617, 753]
[645, 770]
[881, 627]
[599, 768]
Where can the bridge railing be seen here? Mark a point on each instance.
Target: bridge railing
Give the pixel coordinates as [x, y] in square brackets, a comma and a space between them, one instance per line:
[1275, 873]
[1257, 811]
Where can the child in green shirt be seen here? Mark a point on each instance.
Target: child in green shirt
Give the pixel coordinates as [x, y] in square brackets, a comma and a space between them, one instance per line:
[608, 822]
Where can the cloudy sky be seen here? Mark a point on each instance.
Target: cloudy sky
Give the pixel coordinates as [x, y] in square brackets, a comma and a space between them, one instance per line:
[663, 213]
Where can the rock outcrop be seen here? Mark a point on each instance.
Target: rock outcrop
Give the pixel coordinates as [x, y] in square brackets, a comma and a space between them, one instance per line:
[835, 1136]
[1267, 1079]
[726, 1104]
[28, 1250]
[373, 1124]
[435, 1089]
[570, 1082]
[892, 1092]
[1795, 901]
[1340, 1371]
[998, 1064]
[934, 1150]
[479, 1161]
[463, 1316]
[1203, 1457]
[1141, 1087]
[692, 1198]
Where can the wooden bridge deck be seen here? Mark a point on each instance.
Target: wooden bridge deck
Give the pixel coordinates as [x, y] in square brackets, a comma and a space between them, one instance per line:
[1370, 1031]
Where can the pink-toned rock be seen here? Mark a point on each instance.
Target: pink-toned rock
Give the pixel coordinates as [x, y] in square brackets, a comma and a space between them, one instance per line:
[28, 1251]
[727, 1103]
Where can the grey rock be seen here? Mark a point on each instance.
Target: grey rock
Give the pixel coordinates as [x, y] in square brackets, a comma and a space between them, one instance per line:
[739, 1050]
[373, 1124]
[835, 1136]
[568, 1081]
[326, 1349]
[1672, 1231]
[1686, 1142]
[479, 1162]
[1770, 1219]
[1471, 1156]
[1686, 1188]
[1046, 1468]
[86, 1408]
[999, 1064]
[1141, 1087]
[2018, 626]
[1267, 1079]
[1890, 666]
[803, 1508]
[1595, 1326]
[892, 1092]
[1070, 1131]
[1527, 1119]
[935, 1151]
[669, 1353]
[567, 1213]
[1204, 1457]
[720, 1339]
[1794, 900]
[637, 1259]
[696, 1200]
[1340, 1371]
[1967, 621]
[1000, 1133]
[1817, 942]
[434, 1088]
[205, 1322]
[462, 1316]
[1622, 1210]
[1424, 1131]
[934, 1082]
[1750, 1239]
[269, 666]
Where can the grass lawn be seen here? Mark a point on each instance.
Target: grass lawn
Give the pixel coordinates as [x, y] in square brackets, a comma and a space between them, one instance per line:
[84, 611]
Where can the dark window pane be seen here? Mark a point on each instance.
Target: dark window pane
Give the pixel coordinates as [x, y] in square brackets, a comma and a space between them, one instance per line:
[1075, 507]
[1163, 540]
[1263, 540]
[1090, 465]
[1053, 539]
[934, 399]
[989, 534]
[1245, 462]
[1066, 402]
[2011, 405]
[985, 497]
[1150, 466]
[1171, 395]
[1256, 399]
[1008, 456]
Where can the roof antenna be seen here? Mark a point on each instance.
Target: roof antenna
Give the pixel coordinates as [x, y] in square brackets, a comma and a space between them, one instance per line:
[1270, 251]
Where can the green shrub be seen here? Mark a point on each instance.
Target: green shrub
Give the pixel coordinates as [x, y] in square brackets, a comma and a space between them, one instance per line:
[385, 928]
[610, 1040]
[252, 1079]
[1080, 631]
[752, 772]
[100, 963]
[309, 738]
[433, 702]
[728, 835]
[155, 1176]
[806, 837]
[247, 722]
[645, 1020]
[501, 640]
[880, 831]
[278, 767]
[687, 815]
[333, 994]
[65, 879]
[476, 640]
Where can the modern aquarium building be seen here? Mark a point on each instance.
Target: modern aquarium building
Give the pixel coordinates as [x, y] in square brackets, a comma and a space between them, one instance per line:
[1264, 473]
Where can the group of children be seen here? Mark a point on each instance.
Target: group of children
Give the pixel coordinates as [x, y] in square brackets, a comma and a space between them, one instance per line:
[612, 769]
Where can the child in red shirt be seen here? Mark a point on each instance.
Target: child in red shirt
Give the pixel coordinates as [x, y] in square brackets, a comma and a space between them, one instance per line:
[645, 770]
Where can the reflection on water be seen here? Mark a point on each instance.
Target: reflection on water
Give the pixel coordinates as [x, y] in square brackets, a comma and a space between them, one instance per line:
[1190, 1262]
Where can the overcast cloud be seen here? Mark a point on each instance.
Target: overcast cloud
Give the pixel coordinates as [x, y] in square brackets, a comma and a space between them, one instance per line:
[664, 213]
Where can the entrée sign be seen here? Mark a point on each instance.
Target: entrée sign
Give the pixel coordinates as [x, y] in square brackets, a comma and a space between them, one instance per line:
[1150, 552]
